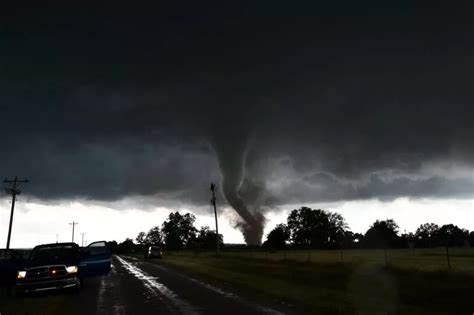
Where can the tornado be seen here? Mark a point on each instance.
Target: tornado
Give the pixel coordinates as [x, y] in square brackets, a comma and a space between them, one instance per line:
[231, 154]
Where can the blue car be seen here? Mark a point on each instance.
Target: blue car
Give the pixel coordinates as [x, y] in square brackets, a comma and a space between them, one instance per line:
[62, 266]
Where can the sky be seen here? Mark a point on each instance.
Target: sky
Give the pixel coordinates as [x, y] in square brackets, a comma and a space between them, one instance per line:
[119, 114]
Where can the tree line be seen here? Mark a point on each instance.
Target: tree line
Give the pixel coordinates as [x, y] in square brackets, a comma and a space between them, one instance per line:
[305, 228]
[175, 233]
[322, 229]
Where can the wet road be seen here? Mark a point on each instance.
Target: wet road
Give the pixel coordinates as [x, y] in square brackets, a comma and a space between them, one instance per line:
[141, 287]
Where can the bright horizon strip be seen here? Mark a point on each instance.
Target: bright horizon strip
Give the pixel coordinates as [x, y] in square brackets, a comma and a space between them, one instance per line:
[39, 223]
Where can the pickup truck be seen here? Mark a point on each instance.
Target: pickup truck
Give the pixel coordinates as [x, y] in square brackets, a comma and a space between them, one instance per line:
[62, 266]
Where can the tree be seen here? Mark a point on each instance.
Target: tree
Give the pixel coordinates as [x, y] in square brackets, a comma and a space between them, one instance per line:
[126, 246]
[451, 235]
[316, 228]
[278, 237]
[407, 239]
[337, 229]
[308, 227]
[113, 246]
[153, 237]
[141, 238]
[206, 238]
[382, 234]
[178, 230]
[357, 240]
[350, 240]
[426, 234]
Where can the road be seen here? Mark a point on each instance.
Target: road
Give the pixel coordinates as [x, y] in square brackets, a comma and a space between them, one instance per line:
[135, 286]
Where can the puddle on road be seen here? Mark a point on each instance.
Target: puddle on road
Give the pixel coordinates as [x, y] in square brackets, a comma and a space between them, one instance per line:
[132, 258]
[108, 290]
[156, 288]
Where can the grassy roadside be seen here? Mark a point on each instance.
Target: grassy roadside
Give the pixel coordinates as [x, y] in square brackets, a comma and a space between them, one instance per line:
[335, 288]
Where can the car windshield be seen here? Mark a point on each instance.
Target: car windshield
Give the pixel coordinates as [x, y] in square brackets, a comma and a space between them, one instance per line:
[55, 254]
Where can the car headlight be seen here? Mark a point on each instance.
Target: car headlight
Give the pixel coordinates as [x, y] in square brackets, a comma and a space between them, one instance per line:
[21, 275]
[71, 269]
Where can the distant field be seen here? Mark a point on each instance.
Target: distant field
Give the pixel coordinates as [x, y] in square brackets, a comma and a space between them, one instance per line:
[414, 282]
[461, 259]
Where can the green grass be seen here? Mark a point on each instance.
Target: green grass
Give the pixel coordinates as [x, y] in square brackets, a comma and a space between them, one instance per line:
[415, 282]
[418, 259]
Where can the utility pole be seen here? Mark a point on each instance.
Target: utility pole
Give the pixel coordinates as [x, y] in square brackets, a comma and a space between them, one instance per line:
[83, 239]
[213, 202]
[56, 238]
[13, 191]
[73, 225]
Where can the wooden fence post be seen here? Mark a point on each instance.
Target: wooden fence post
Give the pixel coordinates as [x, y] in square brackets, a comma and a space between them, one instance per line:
[447, 257]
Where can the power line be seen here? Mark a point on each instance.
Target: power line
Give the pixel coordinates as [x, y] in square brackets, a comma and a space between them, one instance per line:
[213, 202]
[13, 191]
[73, 225]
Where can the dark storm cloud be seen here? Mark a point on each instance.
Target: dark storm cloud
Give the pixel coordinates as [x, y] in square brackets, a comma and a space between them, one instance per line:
[115, 101]
[325, 187]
